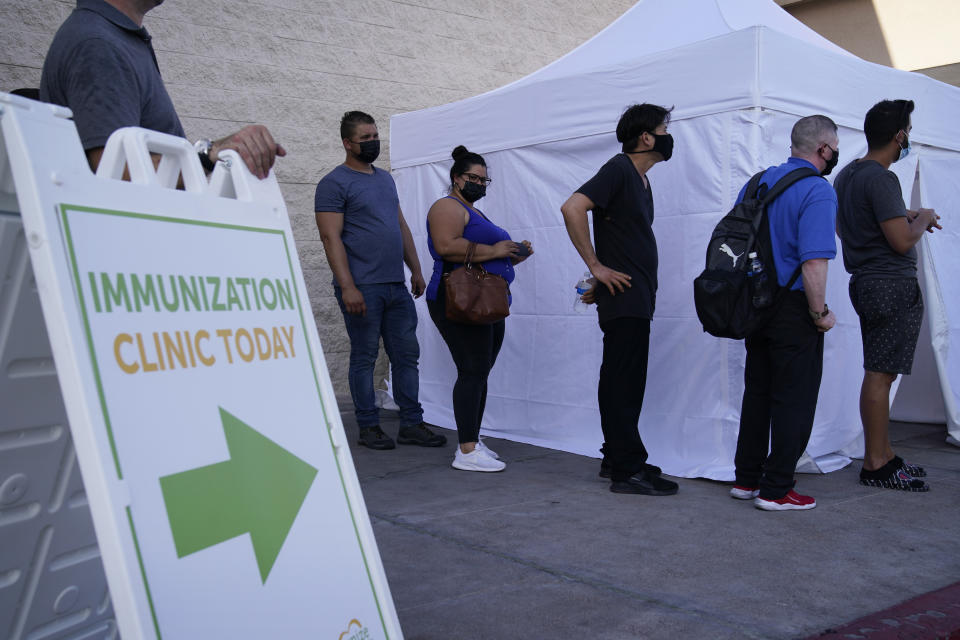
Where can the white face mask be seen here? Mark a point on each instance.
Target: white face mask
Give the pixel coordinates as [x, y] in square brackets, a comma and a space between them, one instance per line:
[904, 151]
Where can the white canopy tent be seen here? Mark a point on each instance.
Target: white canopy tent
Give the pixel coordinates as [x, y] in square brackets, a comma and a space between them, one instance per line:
[740, 73]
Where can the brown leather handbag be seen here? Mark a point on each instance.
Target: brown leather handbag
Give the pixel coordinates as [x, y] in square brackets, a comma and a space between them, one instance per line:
[475, 296]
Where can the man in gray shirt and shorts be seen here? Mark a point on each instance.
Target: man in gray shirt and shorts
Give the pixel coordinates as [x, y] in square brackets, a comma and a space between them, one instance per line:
[878, 234]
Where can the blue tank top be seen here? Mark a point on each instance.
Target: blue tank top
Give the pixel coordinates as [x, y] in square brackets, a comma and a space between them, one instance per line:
[479, 230]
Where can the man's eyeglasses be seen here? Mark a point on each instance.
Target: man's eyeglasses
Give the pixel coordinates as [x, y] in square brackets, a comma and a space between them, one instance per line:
[472, 177]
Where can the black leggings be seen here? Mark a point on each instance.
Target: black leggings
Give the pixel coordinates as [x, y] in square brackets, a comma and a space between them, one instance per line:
[474, 349]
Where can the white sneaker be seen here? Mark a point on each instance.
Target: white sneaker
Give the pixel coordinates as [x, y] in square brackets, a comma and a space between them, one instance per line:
[476, 460]
[487, 450]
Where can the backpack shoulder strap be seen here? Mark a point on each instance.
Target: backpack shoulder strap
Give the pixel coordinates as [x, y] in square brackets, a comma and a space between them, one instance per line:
[753, 186]
[782, 291]
[776, 190]
[786, 181]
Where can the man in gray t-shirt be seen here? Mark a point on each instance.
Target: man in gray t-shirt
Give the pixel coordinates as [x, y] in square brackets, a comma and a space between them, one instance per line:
[101, 65]
[371, 234]
[879, 236]
[367, 241]
[871, 197]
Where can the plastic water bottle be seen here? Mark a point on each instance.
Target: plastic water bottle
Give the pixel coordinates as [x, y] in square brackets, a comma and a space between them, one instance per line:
[758, 283]
[579, 306]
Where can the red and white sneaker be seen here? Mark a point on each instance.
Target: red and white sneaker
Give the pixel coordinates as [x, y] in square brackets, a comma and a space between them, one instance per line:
[793, 501]
[744, 493]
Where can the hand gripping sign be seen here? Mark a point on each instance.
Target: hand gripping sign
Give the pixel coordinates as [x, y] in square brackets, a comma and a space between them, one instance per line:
[224, 499]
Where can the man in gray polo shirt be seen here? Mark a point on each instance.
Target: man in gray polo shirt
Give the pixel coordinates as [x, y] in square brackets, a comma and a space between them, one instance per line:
[101, 65]
[367, 241]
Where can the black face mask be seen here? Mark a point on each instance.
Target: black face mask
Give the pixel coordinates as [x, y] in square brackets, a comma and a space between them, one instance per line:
[471, 191]
[662, 144]
[832, 162]
[369, 150]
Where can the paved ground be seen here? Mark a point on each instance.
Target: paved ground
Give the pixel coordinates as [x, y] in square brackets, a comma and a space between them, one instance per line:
[545, 551]
[934, 615]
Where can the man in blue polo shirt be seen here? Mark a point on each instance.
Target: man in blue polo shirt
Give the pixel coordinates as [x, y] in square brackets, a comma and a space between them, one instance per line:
[785, 357]
[101, 65]
[367, 241]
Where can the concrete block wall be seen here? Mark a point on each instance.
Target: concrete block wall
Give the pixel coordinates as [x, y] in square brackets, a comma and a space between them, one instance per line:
[297, 65]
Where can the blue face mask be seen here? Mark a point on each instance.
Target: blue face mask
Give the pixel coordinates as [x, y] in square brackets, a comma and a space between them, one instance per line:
[904, 151]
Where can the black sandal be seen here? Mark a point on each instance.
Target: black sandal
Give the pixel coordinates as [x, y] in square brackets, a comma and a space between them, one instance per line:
[913, 469]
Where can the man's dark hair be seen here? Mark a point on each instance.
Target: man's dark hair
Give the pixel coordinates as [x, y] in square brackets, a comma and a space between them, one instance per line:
[463, 160]
[637, 119]
[350, 120]
[884, 120]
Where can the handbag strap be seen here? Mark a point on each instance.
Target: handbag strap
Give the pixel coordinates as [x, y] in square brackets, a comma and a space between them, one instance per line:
[468, 258]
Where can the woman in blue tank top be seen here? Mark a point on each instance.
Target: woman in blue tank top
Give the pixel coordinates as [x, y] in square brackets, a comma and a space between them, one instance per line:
[452, 224]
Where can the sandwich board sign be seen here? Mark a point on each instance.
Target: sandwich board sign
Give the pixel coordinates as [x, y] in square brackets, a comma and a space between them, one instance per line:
[214, 461]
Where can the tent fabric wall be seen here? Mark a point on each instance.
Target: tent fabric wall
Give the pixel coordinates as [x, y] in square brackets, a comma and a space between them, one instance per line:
[940, 190]
[543, 136]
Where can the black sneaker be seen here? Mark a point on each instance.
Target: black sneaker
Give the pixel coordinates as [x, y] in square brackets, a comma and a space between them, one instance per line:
[645, 483]
[893, 476]
[375, 438]
[420, 435]
[605, 469]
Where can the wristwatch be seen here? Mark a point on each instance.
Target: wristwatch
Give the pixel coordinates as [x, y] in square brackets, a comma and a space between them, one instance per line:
[203, 147]
[816, 315]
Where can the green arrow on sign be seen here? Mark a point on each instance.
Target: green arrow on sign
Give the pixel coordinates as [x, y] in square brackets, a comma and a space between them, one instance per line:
[259, 491]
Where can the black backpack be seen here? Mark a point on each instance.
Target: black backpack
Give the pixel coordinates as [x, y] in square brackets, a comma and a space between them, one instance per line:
[723, 293]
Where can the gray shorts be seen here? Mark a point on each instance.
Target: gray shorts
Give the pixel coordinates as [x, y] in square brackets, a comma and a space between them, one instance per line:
[890, 311]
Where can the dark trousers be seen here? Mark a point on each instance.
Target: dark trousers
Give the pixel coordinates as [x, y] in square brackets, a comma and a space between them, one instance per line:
[781, 384]
[623, 380]
[474, 349]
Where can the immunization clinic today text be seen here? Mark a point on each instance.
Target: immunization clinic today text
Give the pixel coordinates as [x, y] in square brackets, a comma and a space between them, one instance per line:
[153, 351]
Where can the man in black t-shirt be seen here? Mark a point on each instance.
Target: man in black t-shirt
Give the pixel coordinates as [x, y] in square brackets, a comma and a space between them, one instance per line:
[623, 259]
[879, 236]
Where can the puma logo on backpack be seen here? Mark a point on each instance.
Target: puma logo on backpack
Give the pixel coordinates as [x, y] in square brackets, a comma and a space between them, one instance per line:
[727, 250]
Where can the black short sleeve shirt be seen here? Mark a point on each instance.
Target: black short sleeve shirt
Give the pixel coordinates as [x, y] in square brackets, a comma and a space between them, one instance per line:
[623, 237]
[102, 66]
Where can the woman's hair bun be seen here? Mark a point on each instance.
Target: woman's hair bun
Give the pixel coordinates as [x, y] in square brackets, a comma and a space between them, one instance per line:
[459, 151]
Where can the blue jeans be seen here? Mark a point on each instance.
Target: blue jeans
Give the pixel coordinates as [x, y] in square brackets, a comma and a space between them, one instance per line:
[391, 314]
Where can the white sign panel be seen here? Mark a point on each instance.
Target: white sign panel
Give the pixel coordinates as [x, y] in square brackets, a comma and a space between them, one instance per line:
[214, 430]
